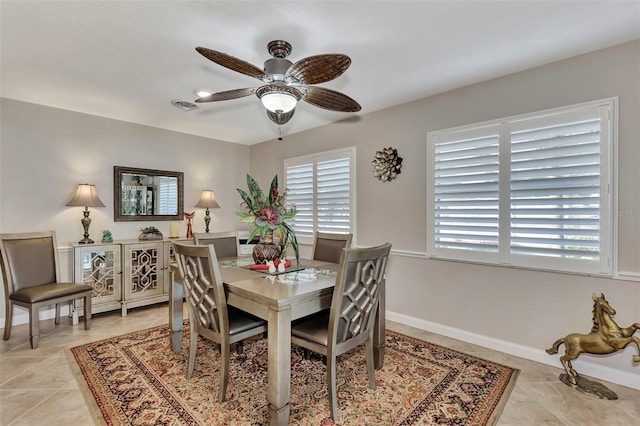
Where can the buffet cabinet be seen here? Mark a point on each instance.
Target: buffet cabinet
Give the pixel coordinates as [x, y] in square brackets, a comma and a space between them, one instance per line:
[124, 274]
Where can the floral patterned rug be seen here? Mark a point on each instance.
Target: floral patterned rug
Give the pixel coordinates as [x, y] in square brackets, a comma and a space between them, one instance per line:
[136, 379]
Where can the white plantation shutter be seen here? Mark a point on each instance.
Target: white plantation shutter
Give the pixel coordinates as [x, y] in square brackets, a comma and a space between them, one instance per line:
[322, 190]
[466, 198]
[555, 190]
[167, 196]
[530, 191]
[334, 196]
[300, 186]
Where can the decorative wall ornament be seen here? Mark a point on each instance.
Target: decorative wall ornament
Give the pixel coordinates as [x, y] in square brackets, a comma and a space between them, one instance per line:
[386, 164]
[606, 337]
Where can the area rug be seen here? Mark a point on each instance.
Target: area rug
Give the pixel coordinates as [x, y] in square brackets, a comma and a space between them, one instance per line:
[136, 379]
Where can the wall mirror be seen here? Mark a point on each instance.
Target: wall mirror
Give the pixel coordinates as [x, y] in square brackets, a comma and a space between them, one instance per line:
[146, 194]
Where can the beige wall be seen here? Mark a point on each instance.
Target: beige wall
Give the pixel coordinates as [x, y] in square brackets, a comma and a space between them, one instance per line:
[519, 311]
[45, 152]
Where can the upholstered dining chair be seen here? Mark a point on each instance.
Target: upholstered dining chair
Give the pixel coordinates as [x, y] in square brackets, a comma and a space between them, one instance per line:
[209, 315]
[350, 321]
[226, 243]
[328, 247]
[31, 275]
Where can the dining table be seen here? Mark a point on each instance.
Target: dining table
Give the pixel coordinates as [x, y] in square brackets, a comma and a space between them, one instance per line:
[279, 298]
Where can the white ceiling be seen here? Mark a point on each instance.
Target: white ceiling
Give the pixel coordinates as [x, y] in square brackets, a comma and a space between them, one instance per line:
[128, 59]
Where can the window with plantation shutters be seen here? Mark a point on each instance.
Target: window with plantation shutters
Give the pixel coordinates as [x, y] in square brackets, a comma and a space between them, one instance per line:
[530, 191]
[167, 196]
[321, 187]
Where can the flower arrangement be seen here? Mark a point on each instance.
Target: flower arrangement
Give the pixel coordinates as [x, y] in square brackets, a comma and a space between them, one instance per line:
[269, 214]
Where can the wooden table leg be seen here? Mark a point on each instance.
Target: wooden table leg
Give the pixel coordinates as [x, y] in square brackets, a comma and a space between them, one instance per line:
[175, 314]
[379, 331]
[279, 366]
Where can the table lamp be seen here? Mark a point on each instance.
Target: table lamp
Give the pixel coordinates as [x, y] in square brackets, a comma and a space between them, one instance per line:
[208, 200]
[85, 196]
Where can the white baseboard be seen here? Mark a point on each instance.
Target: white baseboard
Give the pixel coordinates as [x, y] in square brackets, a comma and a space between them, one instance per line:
[21, 316]
[534, 354]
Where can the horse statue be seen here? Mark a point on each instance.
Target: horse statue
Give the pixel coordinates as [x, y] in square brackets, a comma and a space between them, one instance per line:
[605, 338]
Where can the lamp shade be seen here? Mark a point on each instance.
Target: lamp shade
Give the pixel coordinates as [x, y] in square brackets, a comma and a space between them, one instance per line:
[208, 200]
[85, 196]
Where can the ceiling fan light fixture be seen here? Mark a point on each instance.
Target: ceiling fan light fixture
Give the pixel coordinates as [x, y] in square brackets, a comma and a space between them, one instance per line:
[286, 83]
[278, 99]
[279, 102]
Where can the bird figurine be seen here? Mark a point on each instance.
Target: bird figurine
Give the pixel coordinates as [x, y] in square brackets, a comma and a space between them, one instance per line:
[189, 216]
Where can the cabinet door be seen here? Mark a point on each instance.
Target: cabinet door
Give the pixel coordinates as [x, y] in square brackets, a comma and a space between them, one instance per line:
[144, 274]
[99, 267]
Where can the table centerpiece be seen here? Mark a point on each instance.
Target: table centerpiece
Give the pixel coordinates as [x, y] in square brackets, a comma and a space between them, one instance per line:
[269, 215]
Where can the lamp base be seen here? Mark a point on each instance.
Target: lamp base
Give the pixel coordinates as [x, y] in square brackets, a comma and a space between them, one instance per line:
[85, 241]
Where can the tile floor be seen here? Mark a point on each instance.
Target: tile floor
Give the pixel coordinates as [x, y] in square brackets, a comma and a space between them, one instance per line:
[38, 388]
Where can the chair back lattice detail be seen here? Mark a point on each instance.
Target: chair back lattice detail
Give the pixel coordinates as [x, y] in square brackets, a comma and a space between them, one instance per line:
[204, 291]
[358, 291]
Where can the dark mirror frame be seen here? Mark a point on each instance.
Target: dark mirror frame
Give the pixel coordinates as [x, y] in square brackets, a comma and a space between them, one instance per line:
[118, 215]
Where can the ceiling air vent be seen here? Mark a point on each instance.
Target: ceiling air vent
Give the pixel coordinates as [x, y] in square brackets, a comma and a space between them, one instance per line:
[184, 105]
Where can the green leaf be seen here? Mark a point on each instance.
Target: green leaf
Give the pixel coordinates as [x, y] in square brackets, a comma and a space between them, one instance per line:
[259, 199]
[294, 241]
[274, 182]
[243, 214]
[248, 220]
[247, 200]
[289, 215]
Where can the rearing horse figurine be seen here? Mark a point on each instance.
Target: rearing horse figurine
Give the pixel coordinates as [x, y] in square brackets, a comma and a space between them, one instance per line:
[605, 337]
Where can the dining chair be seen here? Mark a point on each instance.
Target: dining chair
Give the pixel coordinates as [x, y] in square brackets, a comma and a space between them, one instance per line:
[209, 315]
[350, 320]
[226, 243]
[328, 247]
[31, 275]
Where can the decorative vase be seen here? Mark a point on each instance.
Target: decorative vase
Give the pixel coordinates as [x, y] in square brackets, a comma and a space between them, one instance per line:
[266, 250]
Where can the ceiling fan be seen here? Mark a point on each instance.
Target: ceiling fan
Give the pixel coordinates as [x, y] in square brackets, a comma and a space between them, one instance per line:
[286, 82]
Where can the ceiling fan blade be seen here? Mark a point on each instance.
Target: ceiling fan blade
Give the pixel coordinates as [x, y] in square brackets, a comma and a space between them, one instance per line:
[280, 118]
[232, 63]
[319, 68]
[229, 94]
[330, 99]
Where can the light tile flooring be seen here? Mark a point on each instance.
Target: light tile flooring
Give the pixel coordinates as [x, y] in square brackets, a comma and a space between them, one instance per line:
[38, 388]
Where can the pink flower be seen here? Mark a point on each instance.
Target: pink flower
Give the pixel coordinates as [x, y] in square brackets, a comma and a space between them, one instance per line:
[269, 216]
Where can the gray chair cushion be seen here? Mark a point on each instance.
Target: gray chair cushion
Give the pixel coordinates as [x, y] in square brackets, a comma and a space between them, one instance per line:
[240, 321]
[51, 291]
[314, 328]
